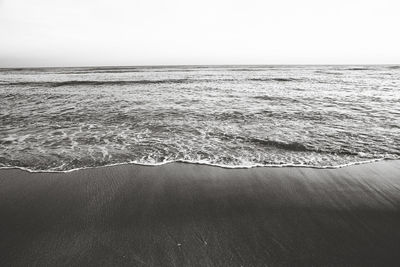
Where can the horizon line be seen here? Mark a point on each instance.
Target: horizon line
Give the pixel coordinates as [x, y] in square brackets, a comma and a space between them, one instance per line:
[194, 65]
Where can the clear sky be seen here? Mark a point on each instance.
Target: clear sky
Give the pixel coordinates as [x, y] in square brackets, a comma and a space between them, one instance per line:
[154, 32]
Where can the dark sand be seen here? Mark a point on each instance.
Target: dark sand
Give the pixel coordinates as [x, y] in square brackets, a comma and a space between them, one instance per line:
[193, 215]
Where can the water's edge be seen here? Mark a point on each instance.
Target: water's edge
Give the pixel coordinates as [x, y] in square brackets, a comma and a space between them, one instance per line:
[202, 163]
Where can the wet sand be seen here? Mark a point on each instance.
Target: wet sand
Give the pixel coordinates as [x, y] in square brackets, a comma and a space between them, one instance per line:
[193, 215]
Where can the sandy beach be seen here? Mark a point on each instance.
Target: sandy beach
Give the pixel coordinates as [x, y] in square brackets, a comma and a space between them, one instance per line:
[194, 215]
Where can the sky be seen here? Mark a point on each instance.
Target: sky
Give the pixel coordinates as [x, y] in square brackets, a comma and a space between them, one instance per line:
[41, 33]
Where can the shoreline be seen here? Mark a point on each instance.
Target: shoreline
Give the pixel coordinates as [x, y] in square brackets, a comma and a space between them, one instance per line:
[201, 163]
[181, 214]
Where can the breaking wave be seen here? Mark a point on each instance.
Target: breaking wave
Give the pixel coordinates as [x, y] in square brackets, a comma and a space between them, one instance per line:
[197, 162]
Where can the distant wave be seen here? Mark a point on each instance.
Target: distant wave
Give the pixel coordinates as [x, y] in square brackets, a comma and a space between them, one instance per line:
[274, 79]
[275, 98]
[328, 72]
[358, 68]
[101, 71]
[246, 69]
[98, 83]
[133, 82]
[106, 71]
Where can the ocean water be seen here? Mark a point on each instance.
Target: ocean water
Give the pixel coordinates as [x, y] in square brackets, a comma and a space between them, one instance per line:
[60, 119]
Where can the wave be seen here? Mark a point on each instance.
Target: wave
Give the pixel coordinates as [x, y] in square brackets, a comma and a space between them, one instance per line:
[329, 72]
[250, 166]
[100, 83]
[293, 146]
[101, 71]
[96, 83]
[276, 98]
[52, 84]
[360, 68]
[247, 69]
[289, 146]
[275, 79]
[299, 147]
[106, 71]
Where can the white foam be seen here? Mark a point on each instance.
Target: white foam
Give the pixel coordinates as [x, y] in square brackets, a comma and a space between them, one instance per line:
[201, 163]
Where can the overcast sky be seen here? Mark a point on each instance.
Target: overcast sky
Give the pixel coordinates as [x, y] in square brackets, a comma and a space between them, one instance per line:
[154, 32]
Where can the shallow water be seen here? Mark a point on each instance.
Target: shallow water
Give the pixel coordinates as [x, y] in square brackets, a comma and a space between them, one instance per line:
[234, 116]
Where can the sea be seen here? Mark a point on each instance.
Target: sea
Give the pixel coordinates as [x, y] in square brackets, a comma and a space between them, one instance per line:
[63, 119]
